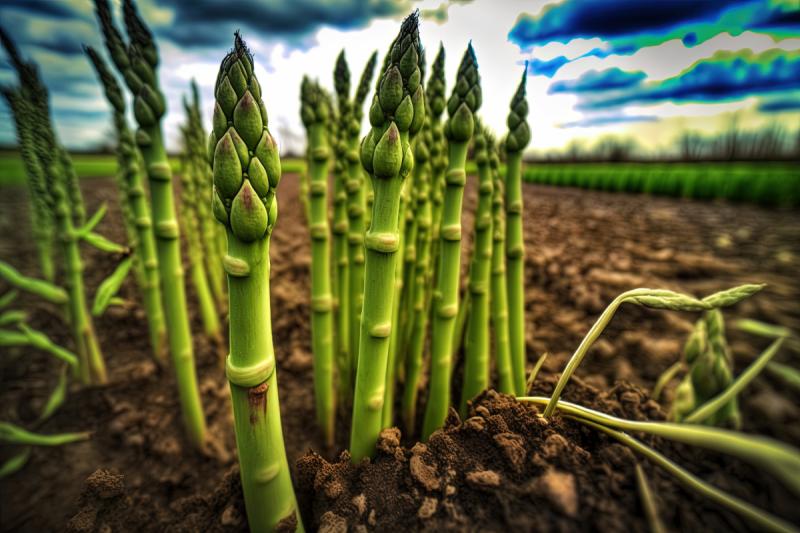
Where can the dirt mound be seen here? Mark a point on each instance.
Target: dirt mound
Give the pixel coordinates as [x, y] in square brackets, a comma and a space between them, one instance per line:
[506, 468]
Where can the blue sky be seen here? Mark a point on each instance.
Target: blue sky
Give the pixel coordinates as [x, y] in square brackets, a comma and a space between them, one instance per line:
[647, 68]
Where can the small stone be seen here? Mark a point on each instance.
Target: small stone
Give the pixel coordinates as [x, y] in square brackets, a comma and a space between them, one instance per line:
[554, 446]
[105, 484]
[484, 478]
[388, 440]
[559, 488]
[360, 503]
[333, 489]
[475, 423]
[331, 522]
[428, 508]
[513, 447]
[449, 490]
[168, 446]
[231, 516]
[425, 474]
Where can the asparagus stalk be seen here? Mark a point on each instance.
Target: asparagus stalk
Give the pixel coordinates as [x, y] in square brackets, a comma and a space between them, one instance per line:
[710, 372]
[41, 214]
[57, 167]
[316, 113]
[397, 111]
[463, 103]
[341, 78]
[518, 137]
[499, 296]
[356, 204]
[476, 369]
[419, 317]
[212, 234]
[145, 246]
[435, 94]
[190, 225]
[246, 171]
[402, 283]
[137, 63]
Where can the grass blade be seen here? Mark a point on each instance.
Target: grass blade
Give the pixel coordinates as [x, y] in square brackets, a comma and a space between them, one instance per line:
[762, 519]
[109, 287]
[57, 397]
[780, 459]
[44, 289]
[13, 434]
[648, 501]
[15, 462]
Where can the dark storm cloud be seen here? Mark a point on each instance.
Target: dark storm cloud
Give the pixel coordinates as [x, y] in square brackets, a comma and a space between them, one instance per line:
[607, 19]
[626, 26]
[599, 81]
[210, 22]
[605, 120]
[780, 105]
[724, 76]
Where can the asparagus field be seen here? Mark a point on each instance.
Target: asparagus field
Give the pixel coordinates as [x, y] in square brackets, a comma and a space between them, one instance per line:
[411, 329]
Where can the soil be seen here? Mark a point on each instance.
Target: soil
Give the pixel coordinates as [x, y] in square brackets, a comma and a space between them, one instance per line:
[502, 467]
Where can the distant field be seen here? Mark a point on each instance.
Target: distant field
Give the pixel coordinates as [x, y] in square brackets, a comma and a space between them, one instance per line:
[773, 184]
[12, 170]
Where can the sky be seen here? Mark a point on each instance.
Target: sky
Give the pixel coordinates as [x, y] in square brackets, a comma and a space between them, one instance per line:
[649, 69]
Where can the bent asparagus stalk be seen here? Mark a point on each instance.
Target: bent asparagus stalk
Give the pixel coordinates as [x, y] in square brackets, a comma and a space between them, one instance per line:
[463, 103]
[315, 113]
[476, 367]
[519, 135]
[137, 63]
[397, 111]
[246, 170]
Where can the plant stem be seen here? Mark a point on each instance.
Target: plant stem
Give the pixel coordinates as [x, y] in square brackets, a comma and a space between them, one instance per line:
[751, 513]
[708, 409]
[476, 367]
[445, 299]
[515, 265]
[266, 479]
[321, 300]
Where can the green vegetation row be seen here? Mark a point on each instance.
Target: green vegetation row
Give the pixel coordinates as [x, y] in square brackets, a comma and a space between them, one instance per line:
[12, 167]
[770, 184]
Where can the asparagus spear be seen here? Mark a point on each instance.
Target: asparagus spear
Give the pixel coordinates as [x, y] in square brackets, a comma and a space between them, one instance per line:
[476, 369]
[461, 107]
[35, 123]
[397, 111]
[246, 169]
[341, 278]
[519, 135]
[419, 318]
[435, 95]
[316, 112]
[137, 63]
[41, 214]
[499, 297]
[190, 225]
[145, 245]
[356, 202]
[212, 234]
